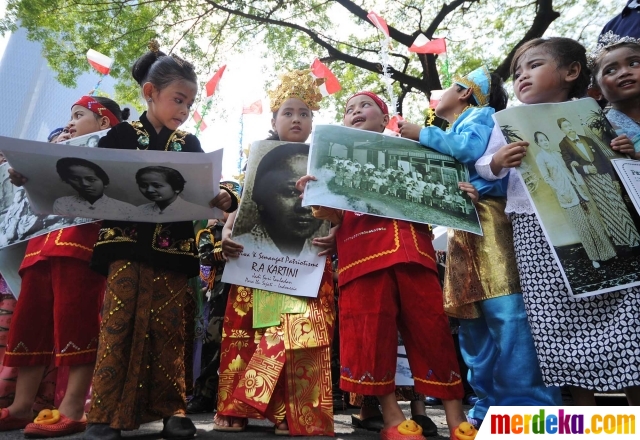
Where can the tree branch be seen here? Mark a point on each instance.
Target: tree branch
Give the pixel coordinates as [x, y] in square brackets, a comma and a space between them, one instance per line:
[445, 10]
[333, 52]
[394, 34]
[545, 15]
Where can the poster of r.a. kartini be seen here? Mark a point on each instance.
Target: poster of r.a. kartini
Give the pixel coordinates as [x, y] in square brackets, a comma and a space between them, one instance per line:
[274, 228]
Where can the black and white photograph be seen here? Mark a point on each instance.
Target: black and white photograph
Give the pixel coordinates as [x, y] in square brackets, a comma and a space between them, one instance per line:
[273, 226]
[18, 222]
[130, 185]
[88, 140]
[580, 202]
[388, 176]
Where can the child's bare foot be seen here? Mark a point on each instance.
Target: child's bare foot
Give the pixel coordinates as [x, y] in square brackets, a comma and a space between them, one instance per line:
[282, 428]
[226, 423]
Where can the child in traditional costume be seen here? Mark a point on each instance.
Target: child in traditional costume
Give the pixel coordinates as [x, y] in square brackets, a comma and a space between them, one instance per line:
[388, 281]
[494, 334]
[267, 371]
[579, 342]
[140, 372]
[58, 314]
[615, 66]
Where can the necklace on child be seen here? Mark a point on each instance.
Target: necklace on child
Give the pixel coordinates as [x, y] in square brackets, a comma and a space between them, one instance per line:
[173, 144]
[457, 115]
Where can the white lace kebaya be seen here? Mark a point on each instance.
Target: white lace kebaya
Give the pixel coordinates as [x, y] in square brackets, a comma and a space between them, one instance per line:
[517, 198]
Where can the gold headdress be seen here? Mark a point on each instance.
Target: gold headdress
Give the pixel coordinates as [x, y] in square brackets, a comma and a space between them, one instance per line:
[297, 84]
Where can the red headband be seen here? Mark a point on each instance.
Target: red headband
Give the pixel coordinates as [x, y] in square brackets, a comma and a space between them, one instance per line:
[91, 104]
[379, 102]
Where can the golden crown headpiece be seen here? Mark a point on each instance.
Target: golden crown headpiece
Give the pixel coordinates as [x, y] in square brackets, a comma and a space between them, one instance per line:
[297, 84]
[607, 41]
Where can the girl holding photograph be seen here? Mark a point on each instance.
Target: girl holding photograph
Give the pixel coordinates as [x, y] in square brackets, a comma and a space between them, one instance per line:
[580, 342]
[388, 282]
[140, 372]
[495, 339]
[615, 68]
[295, 391]
[63, 296]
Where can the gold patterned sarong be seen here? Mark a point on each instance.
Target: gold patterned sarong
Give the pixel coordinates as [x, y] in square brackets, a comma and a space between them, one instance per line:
[282, 371]
[480, 267]
[140, 371]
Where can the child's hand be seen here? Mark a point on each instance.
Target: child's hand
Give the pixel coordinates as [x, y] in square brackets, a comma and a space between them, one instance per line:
[302, 183]
[16, 178]
[327, 243]
[510, 155]
[409, 131]
[622, 144]
[63, 137]
[222, 201]
[230, 249]
[471, 190]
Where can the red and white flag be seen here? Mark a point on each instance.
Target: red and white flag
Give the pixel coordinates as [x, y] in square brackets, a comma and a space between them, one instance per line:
[253, 109]
[379, 22]
[198, 119]
[435, 97]
[423, 45]
[393, 123]
[331, 84]
[100, 62]
[212, 85]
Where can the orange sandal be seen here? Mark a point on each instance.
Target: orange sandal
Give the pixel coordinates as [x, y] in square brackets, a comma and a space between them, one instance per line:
[407, 430]
[50, 423]
[10, 423]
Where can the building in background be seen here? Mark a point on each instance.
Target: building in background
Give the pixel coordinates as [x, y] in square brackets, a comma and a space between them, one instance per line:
[34, 102]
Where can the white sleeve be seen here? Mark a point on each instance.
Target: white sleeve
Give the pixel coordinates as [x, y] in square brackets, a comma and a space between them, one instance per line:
[483, 165]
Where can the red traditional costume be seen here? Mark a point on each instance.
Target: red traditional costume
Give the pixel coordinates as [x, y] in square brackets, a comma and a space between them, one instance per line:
[388, 282]
[284, 371]
[63, 295]
[279, 372]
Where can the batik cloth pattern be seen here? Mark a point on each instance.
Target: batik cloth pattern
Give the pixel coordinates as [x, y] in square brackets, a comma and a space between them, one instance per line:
[480, 267]
[585, 342]
[282, 371]
[140, 370]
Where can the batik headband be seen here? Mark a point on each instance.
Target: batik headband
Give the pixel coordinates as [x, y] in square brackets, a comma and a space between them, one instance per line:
[379, 102]
[479, 81]
[91, 104]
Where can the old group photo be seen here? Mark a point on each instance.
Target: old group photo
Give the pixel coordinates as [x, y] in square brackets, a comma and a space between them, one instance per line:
[580, 201]
[388, 176]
